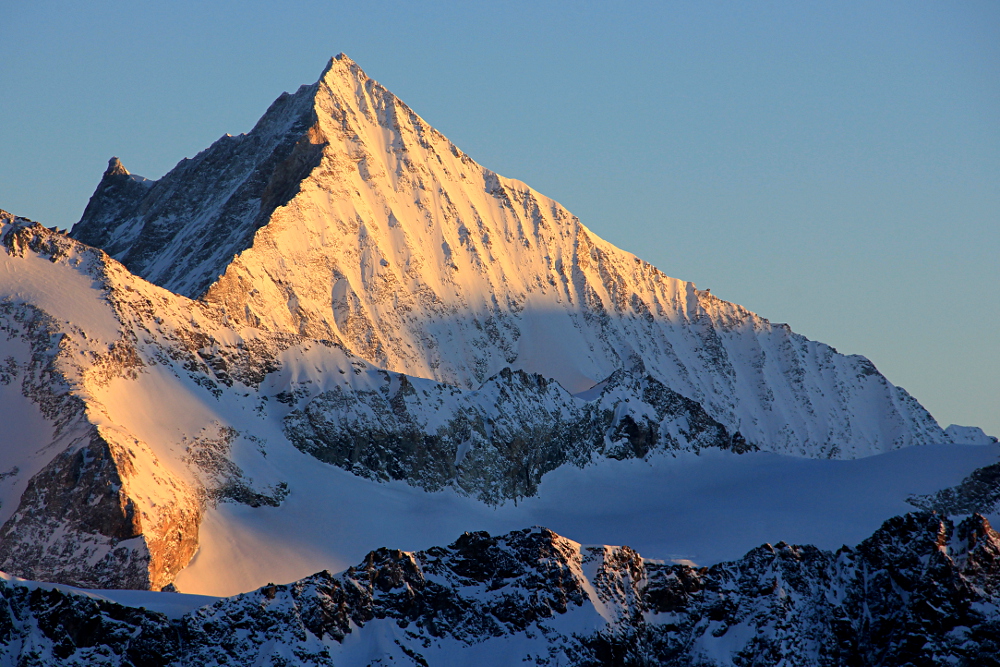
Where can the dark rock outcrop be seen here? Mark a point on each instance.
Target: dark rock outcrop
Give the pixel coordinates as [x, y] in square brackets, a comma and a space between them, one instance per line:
[228, 191]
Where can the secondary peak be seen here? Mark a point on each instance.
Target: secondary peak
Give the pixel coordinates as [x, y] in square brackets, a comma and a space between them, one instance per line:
[116, 168]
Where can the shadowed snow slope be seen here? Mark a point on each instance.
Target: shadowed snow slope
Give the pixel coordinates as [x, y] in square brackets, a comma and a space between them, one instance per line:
[344, 216]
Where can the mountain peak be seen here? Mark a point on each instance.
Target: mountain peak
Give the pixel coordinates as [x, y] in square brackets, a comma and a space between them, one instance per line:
[339, 69]
[345, 216]
[341, 60]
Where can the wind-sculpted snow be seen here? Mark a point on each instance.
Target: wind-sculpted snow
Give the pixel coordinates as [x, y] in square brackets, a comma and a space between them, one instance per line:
[497, 442]
[390, 240]
[919, 591]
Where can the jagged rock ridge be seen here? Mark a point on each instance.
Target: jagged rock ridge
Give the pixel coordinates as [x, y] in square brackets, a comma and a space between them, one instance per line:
[497, 442]
[979, 492]
[344, 216]
[919, 591]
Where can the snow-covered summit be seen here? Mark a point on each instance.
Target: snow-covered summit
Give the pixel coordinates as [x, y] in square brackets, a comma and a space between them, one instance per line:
[343, 215]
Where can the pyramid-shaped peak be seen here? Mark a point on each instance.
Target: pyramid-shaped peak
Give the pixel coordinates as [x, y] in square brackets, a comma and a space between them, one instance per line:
[344, 216]
[344, 79]
[345, 84]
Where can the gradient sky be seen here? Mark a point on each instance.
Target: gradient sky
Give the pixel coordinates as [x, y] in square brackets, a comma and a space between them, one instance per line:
[833, 165]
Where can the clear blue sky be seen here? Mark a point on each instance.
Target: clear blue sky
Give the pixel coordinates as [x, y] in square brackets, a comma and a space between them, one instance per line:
[833, 165]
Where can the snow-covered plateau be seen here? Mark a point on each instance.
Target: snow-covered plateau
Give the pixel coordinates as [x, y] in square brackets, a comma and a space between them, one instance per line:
[337, 336]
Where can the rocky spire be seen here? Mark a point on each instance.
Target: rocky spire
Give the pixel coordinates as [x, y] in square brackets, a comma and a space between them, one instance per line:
[115, 168]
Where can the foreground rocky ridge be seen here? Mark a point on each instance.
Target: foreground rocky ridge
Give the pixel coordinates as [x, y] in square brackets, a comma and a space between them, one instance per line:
[344, 216]
[920, 591]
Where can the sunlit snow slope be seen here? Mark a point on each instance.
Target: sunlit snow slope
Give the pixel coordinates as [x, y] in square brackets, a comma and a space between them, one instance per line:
[133, 416]
[344, 216]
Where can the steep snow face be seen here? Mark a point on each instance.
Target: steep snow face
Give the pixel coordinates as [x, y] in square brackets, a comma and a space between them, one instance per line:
[389, 239]
[968, 435]
[153, 426]
[119, 441]
[84, 501]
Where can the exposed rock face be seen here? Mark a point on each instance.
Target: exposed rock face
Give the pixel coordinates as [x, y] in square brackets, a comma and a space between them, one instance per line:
[119, 190]
[103, 511]
[40, 627]
[979, 492]
[225, 194]
[81, 522]
[496, 443]
[918, 592]
[344, 216]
